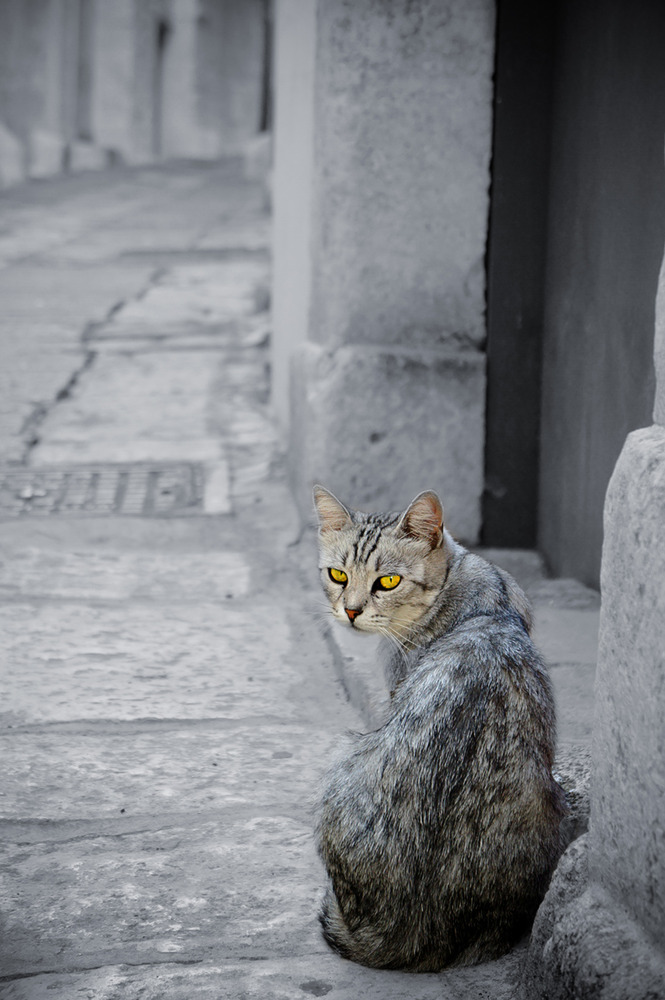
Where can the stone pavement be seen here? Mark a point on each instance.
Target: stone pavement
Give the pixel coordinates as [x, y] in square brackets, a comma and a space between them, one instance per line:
[169, 695]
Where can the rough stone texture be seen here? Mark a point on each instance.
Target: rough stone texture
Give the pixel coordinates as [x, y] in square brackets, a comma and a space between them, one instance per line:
[138, 575]
[585, 944]
[166, 412]
[402, 148]
[192, 299]
[379, 426]
[601, 934]
[573, 686]
[298, 977]
[242, 885]
[125, 773]
[66, 265]
[180, 664]
[628, 814]
[163, 416]
[573, 772]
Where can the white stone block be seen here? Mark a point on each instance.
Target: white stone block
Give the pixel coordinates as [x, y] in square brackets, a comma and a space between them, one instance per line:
[12, 161]
[46, 153]
[377, 426]
[87, 156]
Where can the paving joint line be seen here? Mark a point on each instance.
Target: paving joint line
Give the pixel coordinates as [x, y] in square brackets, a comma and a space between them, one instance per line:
[106, 727]
[34, 421]
[73, 970]
[34, 831]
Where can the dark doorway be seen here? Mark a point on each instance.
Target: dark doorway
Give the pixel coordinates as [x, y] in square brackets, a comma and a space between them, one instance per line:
[162, 33]
[83, 111]
[525, 45]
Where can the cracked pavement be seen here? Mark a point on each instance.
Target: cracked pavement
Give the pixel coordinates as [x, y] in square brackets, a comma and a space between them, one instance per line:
[168, 698]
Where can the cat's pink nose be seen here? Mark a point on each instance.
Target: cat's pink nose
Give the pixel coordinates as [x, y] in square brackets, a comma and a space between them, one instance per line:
[353, 612]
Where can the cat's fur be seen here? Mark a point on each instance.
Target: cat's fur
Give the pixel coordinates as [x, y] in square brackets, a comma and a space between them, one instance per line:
[439, 830]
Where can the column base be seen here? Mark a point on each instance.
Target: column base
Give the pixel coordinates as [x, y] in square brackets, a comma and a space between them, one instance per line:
[585, 944]
[379, 425]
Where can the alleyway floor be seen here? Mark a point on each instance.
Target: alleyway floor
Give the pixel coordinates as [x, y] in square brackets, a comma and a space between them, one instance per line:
[169, 697]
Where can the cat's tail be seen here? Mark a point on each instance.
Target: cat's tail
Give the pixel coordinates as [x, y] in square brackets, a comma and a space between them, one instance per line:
[335, 931]
[364, 944]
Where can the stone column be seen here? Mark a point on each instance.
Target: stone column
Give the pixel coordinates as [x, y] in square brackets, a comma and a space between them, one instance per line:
[387, 389]
[113, 85]
[182, 135]
[601, 929]
[295, 43]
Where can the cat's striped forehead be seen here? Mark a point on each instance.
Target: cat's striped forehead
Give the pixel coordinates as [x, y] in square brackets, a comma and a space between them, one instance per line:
[368, 541]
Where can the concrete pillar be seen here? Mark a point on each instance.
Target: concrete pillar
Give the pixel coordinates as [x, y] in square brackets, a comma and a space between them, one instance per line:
[295, 44]
[387, 391]
[31, 88]
[181, 135]
[113, 87]
[229, 66]
[601, 929]
[213, 77]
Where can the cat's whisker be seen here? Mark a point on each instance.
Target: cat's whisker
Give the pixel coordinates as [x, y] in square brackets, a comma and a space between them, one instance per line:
[403, 634]
[393, 637]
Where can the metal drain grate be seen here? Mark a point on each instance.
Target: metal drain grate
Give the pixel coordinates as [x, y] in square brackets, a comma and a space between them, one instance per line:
[146, 489]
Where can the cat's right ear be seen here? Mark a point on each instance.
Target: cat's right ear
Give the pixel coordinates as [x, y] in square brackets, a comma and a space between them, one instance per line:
[333, 515]
[423, 519]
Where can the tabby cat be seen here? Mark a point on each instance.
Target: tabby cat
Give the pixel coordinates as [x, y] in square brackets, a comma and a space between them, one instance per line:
[439, 830]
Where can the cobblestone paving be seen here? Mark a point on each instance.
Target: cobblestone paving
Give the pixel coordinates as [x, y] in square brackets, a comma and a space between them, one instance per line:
[168, 701]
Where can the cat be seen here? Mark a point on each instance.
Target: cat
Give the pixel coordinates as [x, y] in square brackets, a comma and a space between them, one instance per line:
[439, 831]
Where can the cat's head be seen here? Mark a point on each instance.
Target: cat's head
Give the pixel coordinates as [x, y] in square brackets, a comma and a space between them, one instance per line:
[381, 572]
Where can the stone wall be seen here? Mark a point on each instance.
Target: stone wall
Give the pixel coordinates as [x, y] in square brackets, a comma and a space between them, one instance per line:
[388, 392]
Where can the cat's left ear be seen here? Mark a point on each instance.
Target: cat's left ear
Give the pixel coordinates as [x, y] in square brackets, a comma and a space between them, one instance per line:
[333, 515]
[423, 519]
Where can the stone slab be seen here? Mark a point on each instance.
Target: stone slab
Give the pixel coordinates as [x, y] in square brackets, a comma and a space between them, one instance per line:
[163, 416]
[566, 635]
[574, 696]
[177, 661]
[107, 574]
[60, 294]
[157, 773]
[293, 978]
[197, 295]
[218, 890]
[379, 426]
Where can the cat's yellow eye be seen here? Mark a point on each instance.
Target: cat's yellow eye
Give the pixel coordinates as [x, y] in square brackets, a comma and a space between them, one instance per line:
[338, 575]
[389, 582]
